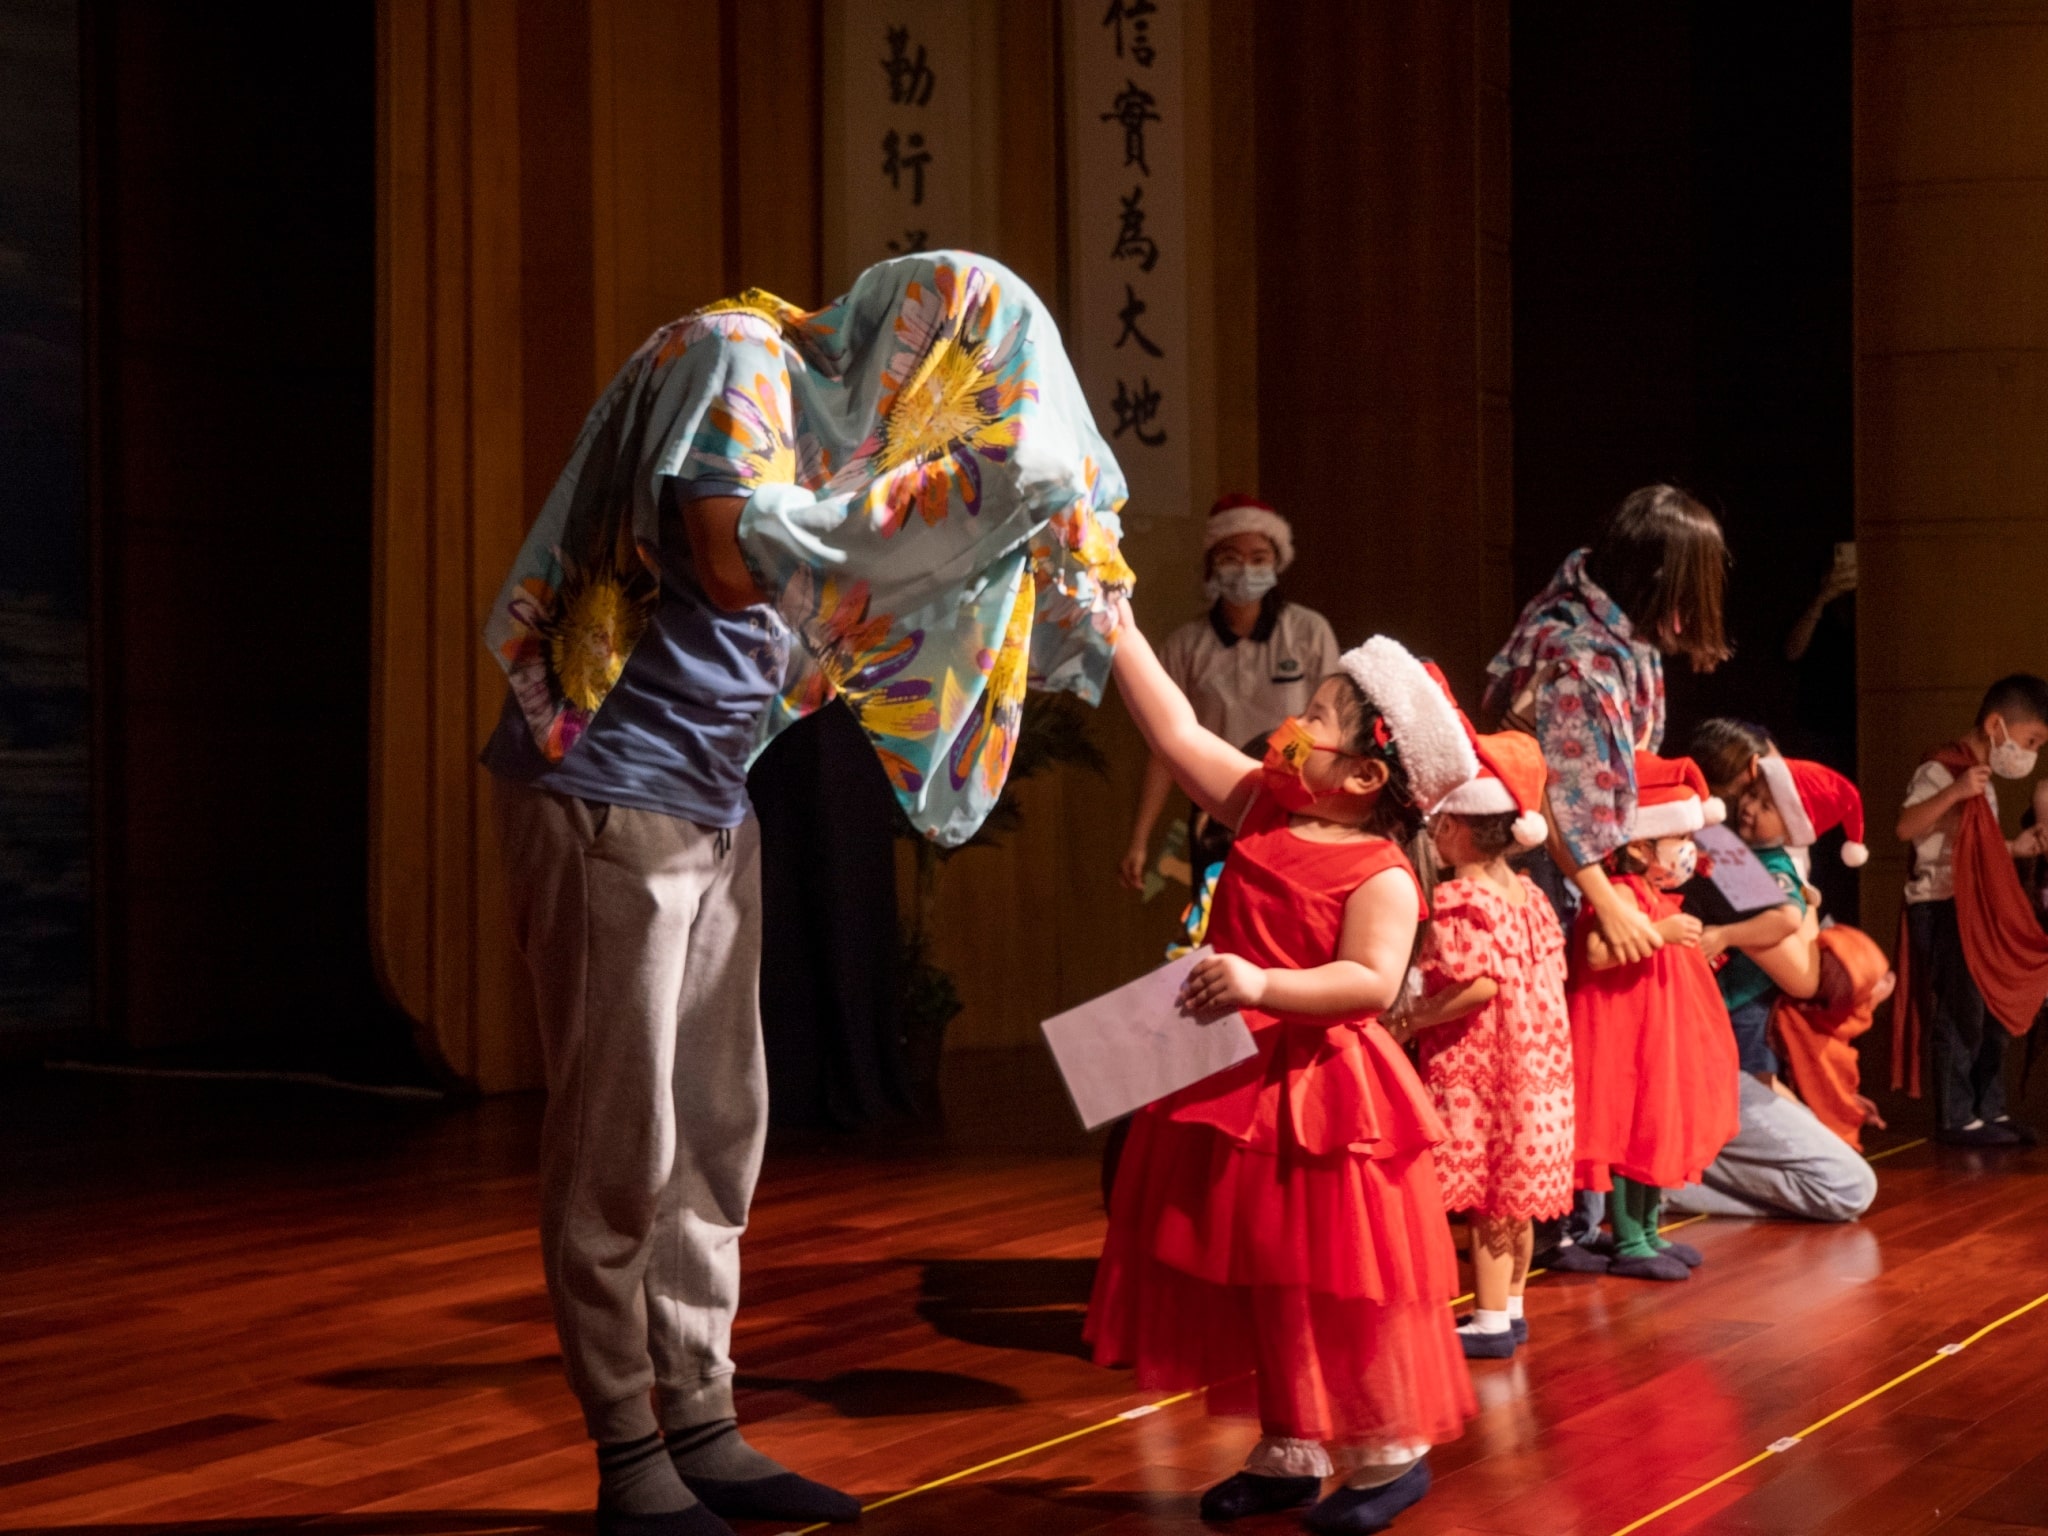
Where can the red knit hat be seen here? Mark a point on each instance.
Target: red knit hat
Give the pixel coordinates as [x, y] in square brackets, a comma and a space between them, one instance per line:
[1511, 779]
[1814, 799]
[1671, 799]
[1239, 513]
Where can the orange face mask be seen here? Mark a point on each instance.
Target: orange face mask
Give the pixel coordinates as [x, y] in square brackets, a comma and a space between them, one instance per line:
[1288, 750]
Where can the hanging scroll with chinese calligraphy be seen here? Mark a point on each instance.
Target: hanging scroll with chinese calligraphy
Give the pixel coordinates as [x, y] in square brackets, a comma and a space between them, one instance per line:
[900, 142]
[1127, 216]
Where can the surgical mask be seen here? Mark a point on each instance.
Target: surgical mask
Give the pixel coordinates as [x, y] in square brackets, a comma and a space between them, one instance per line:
[1240, 585]
[1677, 862]
[1288, 750]
[2010, 760]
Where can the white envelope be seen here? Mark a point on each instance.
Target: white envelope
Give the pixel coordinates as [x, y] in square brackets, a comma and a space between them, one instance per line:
[1132, 1046]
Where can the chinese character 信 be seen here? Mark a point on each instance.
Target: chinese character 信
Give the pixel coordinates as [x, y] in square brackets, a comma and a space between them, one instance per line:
[1132, 243]
[1136, 412]
[1133, 109]
[913, 241]
[910, 79]
[1136, 12]
[903, 155]
[1133, 308]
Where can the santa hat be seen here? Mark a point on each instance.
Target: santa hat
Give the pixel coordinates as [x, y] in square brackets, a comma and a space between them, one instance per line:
[1239, 513]
[1512, 774]
[1429, 735]
[1671, 799]
[1813, 799]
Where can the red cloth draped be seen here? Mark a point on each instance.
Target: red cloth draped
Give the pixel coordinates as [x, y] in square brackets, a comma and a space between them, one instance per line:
[2006, 950]
[1814, 1036]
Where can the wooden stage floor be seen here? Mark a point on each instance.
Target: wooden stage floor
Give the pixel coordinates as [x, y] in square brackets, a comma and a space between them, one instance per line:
[233, 1308]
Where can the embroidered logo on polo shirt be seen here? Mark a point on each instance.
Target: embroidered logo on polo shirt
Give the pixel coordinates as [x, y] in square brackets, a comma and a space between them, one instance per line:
[1286, 669]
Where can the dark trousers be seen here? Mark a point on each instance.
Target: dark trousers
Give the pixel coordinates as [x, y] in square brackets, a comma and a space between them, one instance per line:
[1965, 1043]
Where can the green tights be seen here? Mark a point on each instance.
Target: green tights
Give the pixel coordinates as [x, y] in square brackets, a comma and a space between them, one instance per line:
[1634, 1209]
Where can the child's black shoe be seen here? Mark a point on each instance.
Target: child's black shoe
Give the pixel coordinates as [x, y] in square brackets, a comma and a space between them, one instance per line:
[1685, 1253]
[1577, 1259]
[1487, 1346]
[1250, 1493]
[1356, 1511]
[1657, 1266]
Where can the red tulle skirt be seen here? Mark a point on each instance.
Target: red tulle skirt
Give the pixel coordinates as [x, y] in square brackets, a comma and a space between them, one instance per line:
[1307, 1289]
[1658, 1080]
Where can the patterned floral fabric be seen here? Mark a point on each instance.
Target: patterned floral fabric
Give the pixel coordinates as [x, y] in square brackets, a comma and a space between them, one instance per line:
[1574, 674]
[931, 511]
[1501, 1076]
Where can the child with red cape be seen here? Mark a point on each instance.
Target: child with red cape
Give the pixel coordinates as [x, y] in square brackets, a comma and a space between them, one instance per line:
[1277, 1232]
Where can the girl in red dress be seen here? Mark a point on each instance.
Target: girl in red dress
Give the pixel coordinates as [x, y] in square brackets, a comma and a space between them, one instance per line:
[1493, 1038]
[1653, 1052]
[1276, 1232]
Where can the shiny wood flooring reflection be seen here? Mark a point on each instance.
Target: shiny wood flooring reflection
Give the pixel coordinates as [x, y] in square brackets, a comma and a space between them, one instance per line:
[230, 1308]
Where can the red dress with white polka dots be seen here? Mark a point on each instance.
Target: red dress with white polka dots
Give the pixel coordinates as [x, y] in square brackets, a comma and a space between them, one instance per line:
[1502, 1075]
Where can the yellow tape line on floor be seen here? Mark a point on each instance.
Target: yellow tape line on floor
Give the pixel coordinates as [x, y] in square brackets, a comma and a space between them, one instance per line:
[1143, 1410]
[1780, 1447]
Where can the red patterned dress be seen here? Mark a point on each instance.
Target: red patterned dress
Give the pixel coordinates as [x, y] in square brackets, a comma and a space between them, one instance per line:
[1276, 1233]
[1502, 1075]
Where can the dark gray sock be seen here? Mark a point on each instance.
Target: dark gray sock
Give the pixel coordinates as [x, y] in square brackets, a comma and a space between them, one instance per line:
[637, 1478]
[718, 1450]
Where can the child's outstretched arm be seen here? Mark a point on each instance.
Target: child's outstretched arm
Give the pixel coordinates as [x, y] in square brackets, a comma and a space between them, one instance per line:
[1366, 976]
[1217, 777]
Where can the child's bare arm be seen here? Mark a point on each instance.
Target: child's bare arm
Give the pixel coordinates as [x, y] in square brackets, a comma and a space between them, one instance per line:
[1918, 819]
[1758, 932]
[1601, 955]
[1366, 976]
[1217, 777]
[1447, 1006]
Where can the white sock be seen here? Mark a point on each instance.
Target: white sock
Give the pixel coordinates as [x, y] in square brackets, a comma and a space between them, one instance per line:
[1514, 1307]
[1483, 1321]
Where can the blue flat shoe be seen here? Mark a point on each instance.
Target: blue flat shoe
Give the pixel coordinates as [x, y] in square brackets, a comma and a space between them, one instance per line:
[1577, 1259]
[1658, 1266]
[1487, 1346]
[1685, 1253]
[1357, 1511]
[1249, 1493]
[694, 1521]
[1519, 1327]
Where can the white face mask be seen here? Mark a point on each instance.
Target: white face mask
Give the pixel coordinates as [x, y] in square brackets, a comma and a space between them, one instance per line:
[1241, 584]
[2010, 760]
[1677, 862]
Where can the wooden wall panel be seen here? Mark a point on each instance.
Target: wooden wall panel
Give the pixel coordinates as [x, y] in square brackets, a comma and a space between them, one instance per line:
[1951, 176]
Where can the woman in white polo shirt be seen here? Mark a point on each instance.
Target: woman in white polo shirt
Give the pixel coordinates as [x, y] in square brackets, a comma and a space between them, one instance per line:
[1253, 660]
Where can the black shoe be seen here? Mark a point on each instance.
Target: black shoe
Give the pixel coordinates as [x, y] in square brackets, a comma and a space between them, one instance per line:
[1577, 1259]
[1988, 1133]
[1487, 1346]
[694, 1521]
[1250, 1493]
[1685, 1253]
[784, 1496]
[1658, 1266]
[2025, 1135]
[1519, 1327]
[1356, 1511]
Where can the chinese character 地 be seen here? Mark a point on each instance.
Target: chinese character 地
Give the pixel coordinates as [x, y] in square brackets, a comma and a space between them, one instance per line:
[1132, 243]
[903, 155]
[1136, 412]
[1133, 110]
[1138, 14]
[910, 79]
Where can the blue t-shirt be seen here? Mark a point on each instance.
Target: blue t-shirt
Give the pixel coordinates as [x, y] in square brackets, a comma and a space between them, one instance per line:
[676, 730]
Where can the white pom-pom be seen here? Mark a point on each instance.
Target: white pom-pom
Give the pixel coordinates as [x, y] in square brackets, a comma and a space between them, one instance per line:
[1530, 829]
[1855, 855]
[1714, 810]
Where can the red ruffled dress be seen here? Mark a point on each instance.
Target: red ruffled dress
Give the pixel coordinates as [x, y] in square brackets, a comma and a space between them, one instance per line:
[1653, 1055]
[1277, 1233]
[1502, 1075]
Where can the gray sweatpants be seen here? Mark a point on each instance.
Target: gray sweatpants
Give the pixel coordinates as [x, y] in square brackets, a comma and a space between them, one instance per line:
[643, 934]
[1783, 1162]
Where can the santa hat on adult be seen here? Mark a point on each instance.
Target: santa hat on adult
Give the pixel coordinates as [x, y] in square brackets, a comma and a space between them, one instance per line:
[1511, 779]
[1814, 799]
[1425, 728]
[1672, 799]
[1239, 513]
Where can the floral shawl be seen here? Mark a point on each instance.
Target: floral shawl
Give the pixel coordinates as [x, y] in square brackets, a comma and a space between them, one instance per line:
[1575, 676]
[930, 510]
